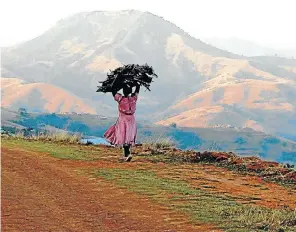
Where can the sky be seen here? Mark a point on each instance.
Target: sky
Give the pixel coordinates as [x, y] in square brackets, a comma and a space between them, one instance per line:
[270, 23]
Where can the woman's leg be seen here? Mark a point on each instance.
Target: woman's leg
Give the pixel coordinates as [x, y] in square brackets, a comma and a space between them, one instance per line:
[126, 148]
[129, 149]
[127, 153]
[129, 157]
[123, 150]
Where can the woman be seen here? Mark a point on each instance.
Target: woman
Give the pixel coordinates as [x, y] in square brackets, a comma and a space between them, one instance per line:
[124, 132]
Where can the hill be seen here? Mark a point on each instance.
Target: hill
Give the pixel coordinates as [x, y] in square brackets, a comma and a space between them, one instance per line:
[241, 141]
[199, 85]
[41, 97]
[248, 48]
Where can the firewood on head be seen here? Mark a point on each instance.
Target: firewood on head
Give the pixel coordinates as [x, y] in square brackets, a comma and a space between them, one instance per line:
[128, 75]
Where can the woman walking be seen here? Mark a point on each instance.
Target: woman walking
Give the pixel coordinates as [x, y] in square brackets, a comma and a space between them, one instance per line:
[124, 132]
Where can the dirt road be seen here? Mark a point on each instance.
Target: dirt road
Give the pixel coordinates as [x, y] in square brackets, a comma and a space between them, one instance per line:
[42, 193]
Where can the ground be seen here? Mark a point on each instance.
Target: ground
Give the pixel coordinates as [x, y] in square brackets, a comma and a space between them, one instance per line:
[61, 187]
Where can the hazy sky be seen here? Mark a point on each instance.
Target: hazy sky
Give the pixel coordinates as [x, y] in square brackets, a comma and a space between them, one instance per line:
[267, 22]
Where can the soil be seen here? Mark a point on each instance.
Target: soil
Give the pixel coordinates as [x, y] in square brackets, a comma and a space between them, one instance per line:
[42, 193]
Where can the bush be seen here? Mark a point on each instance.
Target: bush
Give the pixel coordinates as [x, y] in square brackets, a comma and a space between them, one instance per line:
[240, 140]
[173, 125]
[22, 112]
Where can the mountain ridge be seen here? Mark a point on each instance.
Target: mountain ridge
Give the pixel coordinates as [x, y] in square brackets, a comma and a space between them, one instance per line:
[77, 53]
[248, 48]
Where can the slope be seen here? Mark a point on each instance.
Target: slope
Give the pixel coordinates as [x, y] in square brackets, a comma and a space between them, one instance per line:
[78, 51]
[42, 97]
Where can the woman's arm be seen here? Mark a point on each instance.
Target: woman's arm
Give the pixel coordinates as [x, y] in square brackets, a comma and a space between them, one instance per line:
[137, 90]
[114, 91]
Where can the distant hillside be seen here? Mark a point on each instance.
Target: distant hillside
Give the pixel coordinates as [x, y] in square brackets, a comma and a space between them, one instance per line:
[43, 97]
[198, 86]
[240, 141]
[248, 48]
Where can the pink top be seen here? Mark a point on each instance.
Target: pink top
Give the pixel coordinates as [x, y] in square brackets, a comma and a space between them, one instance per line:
[126, 105]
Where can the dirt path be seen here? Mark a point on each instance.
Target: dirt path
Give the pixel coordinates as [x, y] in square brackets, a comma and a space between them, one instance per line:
[42, 193]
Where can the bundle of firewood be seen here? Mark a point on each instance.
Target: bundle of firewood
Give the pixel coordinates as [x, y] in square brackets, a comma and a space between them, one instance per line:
[128, 75]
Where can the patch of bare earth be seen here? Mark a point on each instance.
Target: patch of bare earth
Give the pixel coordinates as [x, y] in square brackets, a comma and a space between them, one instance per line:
[42, 193]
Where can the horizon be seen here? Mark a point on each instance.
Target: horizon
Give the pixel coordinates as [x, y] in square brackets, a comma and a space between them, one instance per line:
[220, 26]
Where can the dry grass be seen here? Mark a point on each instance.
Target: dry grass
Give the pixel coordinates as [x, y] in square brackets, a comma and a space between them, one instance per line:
[159, 143]
[63, 137]
[262, 218]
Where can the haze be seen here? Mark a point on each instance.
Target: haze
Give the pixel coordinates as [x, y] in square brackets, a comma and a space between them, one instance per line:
[266, 22]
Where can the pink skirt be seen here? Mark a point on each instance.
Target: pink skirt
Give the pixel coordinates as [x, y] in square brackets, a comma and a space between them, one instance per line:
[124, 131]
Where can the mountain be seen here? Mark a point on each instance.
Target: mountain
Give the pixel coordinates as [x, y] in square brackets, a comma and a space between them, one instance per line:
[79, 50]
[248, 48]
[41, 97]
[198, 85]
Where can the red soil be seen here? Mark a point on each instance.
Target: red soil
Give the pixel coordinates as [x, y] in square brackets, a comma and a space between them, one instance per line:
[42, 193]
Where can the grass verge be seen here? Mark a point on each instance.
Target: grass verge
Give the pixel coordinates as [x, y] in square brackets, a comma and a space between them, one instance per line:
[200, 205]
[61, 151]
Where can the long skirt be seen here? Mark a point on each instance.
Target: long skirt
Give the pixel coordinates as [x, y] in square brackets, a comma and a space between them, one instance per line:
[124, 131]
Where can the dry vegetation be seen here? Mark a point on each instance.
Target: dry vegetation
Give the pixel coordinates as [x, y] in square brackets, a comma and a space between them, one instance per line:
[165, 151]
[159, 143]
[59, 137]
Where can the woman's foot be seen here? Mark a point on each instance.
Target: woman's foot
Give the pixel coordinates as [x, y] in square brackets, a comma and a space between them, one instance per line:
[128, 158]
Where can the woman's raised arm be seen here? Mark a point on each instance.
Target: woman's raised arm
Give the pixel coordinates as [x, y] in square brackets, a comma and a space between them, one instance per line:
[137, 90]
[114, 91]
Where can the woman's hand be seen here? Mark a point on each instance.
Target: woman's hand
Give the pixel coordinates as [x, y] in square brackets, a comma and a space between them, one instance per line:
[137, 90]
[115, 90]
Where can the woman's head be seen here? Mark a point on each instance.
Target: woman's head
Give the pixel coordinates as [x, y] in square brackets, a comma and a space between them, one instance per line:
[127, 90]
